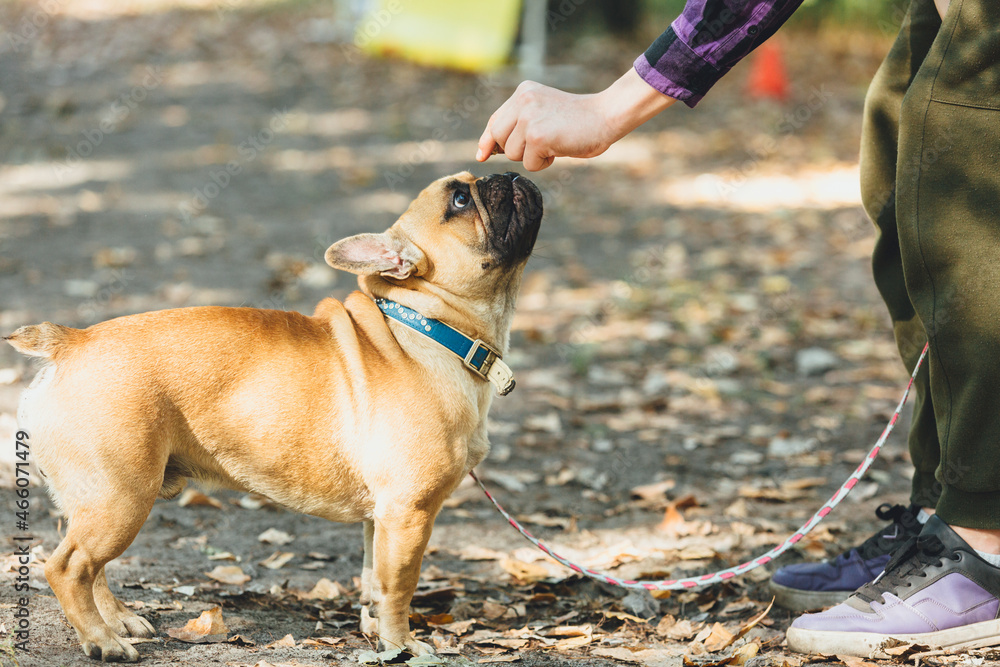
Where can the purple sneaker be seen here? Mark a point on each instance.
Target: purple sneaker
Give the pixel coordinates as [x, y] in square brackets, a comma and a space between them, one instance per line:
[808, 586]
[936, 592]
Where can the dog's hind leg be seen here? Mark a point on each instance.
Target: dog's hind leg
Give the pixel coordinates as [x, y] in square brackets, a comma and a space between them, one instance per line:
[122, 620]
[369, 624]
[100, 529]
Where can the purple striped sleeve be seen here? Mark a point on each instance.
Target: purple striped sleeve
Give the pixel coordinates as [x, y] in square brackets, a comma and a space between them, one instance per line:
[706, 41]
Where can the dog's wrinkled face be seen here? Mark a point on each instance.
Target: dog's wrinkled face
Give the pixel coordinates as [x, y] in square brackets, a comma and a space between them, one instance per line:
[461, 234]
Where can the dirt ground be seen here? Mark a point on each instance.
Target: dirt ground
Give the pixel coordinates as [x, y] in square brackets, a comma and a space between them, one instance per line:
[701, 355]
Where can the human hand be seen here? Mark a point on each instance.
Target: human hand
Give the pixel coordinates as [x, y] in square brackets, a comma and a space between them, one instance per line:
[538, 123]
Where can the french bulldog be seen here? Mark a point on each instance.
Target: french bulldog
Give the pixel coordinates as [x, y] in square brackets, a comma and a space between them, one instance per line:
[348, 415]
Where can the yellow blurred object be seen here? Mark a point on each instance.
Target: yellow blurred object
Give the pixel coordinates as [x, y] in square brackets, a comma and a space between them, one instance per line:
[469, 36]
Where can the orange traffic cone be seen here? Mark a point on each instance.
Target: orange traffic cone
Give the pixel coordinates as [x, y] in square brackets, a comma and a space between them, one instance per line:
[767, 74]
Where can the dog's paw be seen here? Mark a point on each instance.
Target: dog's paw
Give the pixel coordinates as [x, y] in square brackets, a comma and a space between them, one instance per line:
[369, 624]
[122, 620]
[110, 649]
[410, 645]
[418, 648]
[128, 624]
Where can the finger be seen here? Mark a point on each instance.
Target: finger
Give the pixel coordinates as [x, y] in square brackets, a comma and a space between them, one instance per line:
[487, 144]
[483, 156]
[514, 147]
[534, 161]
[502, 123]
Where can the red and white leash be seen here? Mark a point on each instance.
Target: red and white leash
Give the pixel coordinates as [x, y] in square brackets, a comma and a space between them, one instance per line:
[723, 575]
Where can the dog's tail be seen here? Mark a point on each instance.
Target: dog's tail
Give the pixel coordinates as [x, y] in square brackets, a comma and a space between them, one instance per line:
[42, 340]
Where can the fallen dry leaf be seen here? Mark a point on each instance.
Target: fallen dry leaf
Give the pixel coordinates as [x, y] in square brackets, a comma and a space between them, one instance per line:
[792, 661]
[253, 501]
[195, 497]
[718, 638]
[852, 661]
[285, 642]
[229, 574]
[208, 628]
[323, 641]
[902, 652]
[572, 642]
[622, 616]
[654, 491]
[744, 653]
[458, 627]
[616, 555]
[505, 642]
[696, 552]
[492, 610]
[473, 552]
[570, 631]
[545, 520]
[276, 537]
[313, 565]
[617, 653]
[673, 523]
[325, 590]
[812, 548]
[804, 483]
[648, 657]
[666, 623]
[439, 619]
[499, 658]
[525, 572]
[677, 630]
[277, 560]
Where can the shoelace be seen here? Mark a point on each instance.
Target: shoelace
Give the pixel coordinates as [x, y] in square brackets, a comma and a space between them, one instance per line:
[903, 520]
[910, 560]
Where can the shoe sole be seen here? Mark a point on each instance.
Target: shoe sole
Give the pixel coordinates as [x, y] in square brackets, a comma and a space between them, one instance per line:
[873, 645]
[795, 599]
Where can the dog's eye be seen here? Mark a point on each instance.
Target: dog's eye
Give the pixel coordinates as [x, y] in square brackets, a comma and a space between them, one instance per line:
[461, 199]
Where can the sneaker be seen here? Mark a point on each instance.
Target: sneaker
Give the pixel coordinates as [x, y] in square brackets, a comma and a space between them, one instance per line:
[936, 592]
[808, 586]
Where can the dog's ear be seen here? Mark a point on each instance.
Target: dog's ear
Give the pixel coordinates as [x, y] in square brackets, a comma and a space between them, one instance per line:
[368, 254]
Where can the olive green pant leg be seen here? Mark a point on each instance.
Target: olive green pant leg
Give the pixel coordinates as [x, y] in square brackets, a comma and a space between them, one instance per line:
[948, 225]
[879, 149]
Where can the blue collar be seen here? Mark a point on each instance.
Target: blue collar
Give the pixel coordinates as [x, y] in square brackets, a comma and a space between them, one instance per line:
[476, 355]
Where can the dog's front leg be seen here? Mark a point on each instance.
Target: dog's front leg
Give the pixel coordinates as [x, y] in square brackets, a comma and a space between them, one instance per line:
[369, 625]
[401, 536]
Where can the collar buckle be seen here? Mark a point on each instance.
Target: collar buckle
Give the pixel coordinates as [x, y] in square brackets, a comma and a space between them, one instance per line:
[481, 358]
[485, 362]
